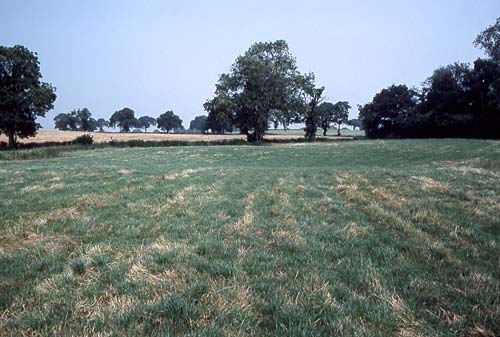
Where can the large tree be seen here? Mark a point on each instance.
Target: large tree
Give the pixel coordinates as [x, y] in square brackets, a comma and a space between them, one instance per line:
[261, 80]
[145, 122]
[124, 119]
[23, 97]
[169, 121]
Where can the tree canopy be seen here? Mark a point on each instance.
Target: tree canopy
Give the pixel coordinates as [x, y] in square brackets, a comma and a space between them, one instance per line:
[458, 100]
[79, 119]
[23, 97]
[101, 123]
[169, 121]
[199, 123]
[261, 82]
[145, 122]
[124, 119]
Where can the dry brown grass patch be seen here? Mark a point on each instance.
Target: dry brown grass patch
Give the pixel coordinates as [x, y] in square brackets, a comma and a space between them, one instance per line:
[39, 188]
[242, 226]
[429, 184]
[355, 230]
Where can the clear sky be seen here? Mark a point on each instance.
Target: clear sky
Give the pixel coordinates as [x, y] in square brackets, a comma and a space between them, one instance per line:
[154, 56]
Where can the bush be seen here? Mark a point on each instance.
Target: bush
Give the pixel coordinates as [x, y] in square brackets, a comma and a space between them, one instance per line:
[83, 140]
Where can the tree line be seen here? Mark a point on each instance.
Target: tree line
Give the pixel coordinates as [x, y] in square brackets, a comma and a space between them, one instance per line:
[124, 119]
[457, 100]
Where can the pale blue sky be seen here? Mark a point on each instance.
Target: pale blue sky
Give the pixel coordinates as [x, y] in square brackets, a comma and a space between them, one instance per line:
[153, 56]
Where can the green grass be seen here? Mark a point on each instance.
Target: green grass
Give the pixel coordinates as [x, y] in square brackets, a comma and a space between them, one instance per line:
[365, 238]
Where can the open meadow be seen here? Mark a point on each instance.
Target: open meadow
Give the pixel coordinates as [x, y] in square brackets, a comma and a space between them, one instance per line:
[358, 238]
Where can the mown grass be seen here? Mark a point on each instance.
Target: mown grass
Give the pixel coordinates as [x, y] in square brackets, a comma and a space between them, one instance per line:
[365, 238]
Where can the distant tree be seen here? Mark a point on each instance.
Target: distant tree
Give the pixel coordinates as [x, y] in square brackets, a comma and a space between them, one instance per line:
[489, 41]
[79, 119]
[124, 119]
[220, 113]
[199, 123]
[169, 121]
[311, 98]
[326, 111]
[145, 122]
[355, 123]
[66, 121]
[85, 120]
[101, 123]
[286, 117]
[340, 114]
[23, 97]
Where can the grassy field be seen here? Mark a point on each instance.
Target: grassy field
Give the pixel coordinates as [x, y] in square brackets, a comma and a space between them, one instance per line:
[361, 238]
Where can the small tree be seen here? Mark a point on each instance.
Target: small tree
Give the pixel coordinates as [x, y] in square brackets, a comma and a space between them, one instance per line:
[341, 114]
[199, 123]
[355, 123]
[169, 121]
[124, 119]
[326, 111]
[23, 97]
[145, 122]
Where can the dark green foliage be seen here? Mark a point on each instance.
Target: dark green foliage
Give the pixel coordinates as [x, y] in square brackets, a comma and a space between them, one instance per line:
[76, 120]
[101, 123]
[145, 122]
[311, 114]
[169, 121]
[124, 119]
[340, 114]
[456, 101]
[78, 266]
[326, 112]
[262, 81]
[23, 97]
[83, 140]
[389, 112]
[355, 123]
[199, 123]
[66, 121]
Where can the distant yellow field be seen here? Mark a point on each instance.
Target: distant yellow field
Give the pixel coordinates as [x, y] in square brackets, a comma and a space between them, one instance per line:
[100, 137]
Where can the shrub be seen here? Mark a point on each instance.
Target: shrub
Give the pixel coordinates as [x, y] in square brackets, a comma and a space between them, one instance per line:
[83, 140]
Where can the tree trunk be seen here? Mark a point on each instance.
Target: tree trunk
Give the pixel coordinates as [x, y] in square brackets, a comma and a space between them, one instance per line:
[338, 130]
[12, 140]
[324, 131]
